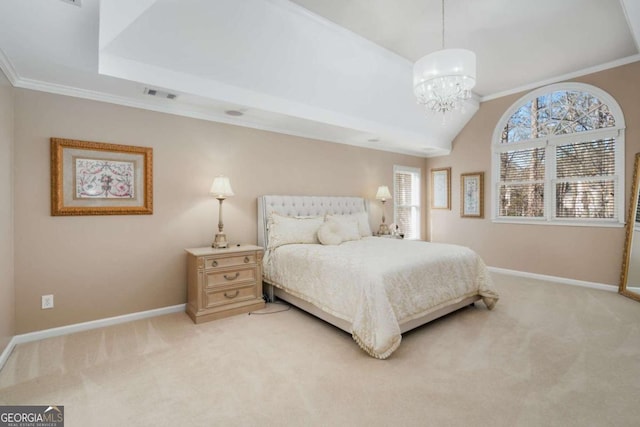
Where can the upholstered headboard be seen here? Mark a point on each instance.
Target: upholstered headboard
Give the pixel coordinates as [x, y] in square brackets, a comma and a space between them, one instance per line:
[304, 206]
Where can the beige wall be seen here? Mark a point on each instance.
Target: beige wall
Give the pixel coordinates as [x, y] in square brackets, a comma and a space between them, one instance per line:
[98, 267]
[582, 253]
[7, 290]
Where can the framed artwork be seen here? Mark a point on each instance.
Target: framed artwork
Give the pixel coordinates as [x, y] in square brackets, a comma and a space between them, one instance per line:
[441, 188]
[472, 195]
[93, 178]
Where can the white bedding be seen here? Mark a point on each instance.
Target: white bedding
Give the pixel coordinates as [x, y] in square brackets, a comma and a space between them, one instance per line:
[377, 283]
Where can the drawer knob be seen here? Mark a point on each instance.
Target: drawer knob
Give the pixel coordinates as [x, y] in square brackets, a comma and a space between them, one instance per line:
[232, 296]
[246, 259]
[214, 263]
[234, 277]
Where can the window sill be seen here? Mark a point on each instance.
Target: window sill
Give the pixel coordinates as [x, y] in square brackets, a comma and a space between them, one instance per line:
[611, 224]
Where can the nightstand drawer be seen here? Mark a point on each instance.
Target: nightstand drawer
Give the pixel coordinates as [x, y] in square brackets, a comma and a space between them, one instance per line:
[231, 261]
[217, 298]
[220, 278]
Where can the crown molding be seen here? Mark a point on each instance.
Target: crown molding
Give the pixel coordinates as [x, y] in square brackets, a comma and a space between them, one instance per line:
[563, 77]
[7, 68]
[173, 109]
[38, 85]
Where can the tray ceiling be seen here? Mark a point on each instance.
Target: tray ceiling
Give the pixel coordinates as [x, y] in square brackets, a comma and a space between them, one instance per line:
[325, 69]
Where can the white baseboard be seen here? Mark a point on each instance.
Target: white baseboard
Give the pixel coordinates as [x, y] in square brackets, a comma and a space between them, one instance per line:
[85, 326]
[7, 352]
[561, 280]
[69, 329]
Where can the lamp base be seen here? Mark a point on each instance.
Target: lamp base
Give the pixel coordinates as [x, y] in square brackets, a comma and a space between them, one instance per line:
[220, 241]
[384, 229]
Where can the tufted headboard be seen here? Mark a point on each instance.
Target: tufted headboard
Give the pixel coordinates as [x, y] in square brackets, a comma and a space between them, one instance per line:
[304, 206]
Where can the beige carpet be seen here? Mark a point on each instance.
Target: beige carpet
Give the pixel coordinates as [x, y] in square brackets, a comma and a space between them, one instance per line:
[548, 355]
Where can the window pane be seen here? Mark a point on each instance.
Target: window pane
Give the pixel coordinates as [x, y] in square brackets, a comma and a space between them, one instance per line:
[592, 158]
[557, 113]
[518, 127]
[565, 112]
[407, 219]
[523, 200]
[522, 165]
[404, 190]
[593, 199]
[407, 201]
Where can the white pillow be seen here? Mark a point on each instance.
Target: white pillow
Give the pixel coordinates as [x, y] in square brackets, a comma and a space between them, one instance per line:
[329, 233]
[348, 226]
[285, 230]
[362, 218]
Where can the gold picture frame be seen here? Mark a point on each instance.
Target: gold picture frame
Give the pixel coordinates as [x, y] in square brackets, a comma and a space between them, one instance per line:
[472, 195]
[441, 188]
[94, 178]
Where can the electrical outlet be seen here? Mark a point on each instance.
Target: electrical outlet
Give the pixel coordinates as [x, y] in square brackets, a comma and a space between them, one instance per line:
[47, 301]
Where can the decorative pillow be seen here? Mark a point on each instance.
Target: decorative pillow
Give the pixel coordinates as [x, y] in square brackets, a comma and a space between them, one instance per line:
[363, 224]
[329, 233]
[362, 218]
[348, 229]
[286, 230]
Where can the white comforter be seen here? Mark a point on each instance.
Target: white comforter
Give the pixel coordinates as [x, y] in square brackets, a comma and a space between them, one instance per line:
[377, 283]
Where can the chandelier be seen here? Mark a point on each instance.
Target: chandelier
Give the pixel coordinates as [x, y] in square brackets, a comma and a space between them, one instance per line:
[443, 79]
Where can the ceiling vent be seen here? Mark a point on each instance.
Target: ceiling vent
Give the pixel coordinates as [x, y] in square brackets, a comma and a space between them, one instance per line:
[159, 93]
[73, 2]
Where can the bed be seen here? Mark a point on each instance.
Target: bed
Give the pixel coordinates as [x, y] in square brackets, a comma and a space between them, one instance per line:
[375, 288]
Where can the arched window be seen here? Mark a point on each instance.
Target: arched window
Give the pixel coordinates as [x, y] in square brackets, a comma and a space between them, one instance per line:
[558, 158]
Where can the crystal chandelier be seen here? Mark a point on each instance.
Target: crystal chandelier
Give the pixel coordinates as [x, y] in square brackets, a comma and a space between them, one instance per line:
[443, 79]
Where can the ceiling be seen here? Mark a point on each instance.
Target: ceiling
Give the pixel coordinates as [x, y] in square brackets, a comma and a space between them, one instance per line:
[335, 70]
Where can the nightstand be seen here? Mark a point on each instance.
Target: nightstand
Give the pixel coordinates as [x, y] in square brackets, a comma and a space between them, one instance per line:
[223, 282]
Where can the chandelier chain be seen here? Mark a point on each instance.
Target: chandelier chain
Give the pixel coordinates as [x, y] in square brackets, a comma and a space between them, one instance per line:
[442, 24]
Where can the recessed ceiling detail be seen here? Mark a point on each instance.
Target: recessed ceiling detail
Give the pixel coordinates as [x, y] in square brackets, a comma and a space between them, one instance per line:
[272, 56]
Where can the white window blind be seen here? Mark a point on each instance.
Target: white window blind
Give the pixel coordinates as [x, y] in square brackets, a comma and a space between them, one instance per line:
[522, 183]
[406, 200]
[558, 157]
[586, 178]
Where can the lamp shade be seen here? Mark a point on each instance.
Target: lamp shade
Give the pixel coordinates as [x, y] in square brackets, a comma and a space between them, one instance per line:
[442, 80]
[383, 193]
[221, 187]
[446, 63]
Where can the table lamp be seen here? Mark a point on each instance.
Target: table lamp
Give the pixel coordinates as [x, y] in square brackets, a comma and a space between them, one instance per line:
[220, 189]
[383, 194]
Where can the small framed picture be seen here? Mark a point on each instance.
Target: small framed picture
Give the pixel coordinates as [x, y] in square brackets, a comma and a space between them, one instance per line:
[472, 195]
[441, 188]
[93, 178]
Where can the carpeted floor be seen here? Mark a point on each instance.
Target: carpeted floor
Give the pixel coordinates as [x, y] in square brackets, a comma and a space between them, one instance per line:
[548, 355]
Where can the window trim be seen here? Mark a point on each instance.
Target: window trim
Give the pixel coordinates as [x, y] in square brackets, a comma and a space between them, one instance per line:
[550, 143]
[418, 173]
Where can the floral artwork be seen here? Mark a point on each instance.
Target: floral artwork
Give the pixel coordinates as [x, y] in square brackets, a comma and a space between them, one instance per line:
[441, 188]
[104, 179]
[471, 205]
[472, 195]
[97, 178]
